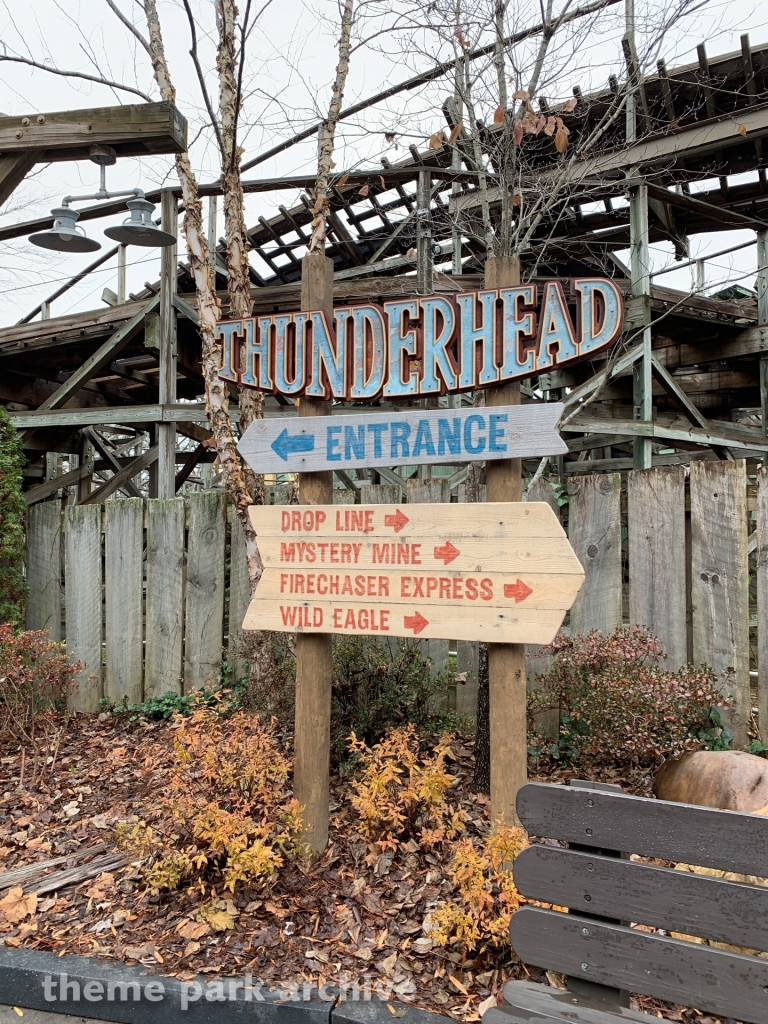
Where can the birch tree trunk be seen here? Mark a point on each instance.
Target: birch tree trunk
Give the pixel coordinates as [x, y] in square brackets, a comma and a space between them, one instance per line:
[216, 395]
[328, 135]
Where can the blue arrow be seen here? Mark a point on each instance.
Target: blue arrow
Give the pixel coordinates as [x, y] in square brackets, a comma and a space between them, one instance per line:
[285, 445]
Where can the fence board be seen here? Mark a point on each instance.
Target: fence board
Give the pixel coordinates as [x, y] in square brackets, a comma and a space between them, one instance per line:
[165, 596]
[657, 556]
[44, 568]
[343, 497]
[719, 582]
[206, 544]
[595, 534]
[83, 597]
[762, 602]
[542, 491]
[239, 593]
[123, 572]
[380, 494]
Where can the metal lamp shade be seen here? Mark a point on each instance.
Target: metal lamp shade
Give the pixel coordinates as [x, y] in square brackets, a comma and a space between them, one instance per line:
[65, 235]
[138, 229]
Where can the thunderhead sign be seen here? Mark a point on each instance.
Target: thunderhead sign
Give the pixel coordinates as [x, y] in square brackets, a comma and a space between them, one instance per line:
[432, 345]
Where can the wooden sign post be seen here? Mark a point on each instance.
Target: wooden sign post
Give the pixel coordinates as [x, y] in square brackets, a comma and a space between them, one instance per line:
[506, 575]
[314, 671]
[506, 662]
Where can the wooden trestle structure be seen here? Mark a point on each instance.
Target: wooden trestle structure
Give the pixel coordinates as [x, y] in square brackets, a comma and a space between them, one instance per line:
[93, 386]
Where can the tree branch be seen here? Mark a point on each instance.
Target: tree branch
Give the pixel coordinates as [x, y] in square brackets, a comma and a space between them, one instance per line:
[201, 77]
[76, 74]
[128, 24]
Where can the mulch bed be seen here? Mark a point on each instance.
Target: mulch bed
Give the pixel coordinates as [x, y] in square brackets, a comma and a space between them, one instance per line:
[351, 918]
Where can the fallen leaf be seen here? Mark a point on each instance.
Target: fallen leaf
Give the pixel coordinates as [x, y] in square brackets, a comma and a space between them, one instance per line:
[317, 954]
[486, 1004]
[272, 908]
[16, 906]
[17, 1010]
[26, 927]
[363, 954]
[457, 984]
[742, 129]
[390, 963]
[191, 948]
[98, 889]
[221, 921]
[140, 952]
[498, 115]
[46, 905]
[422, 945]
[192, 929]
[99, 821]
[397, 1013]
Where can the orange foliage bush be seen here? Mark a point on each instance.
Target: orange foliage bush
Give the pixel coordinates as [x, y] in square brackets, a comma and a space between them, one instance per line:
[227, 804]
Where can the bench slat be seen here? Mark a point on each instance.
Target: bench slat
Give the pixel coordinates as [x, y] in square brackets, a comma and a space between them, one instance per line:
[527, 1001]
[711, 908]
[706, 836]
[713, 980]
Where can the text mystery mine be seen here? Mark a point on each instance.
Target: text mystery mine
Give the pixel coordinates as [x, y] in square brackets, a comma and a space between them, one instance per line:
[423, 346]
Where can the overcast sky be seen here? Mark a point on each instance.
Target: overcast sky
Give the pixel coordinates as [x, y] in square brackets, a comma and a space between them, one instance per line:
[291, 62]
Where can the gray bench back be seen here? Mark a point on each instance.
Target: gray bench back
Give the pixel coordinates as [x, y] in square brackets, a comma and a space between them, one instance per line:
[598, 885]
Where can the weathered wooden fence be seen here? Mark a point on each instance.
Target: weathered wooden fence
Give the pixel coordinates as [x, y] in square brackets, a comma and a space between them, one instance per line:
[148, 595]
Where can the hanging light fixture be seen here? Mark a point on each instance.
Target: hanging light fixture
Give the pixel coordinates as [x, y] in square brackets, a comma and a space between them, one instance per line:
[65, 235]
[138, 228]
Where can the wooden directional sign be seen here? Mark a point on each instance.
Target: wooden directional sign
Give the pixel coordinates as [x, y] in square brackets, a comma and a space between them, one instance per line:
[504, 573]
[403, 438]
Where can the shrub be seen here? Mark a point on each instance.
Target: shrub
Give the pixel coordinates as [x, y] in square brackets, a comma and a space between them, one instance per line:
[619, 706]
[35, 680]
[229, 817]
[13, 588]
[401, 792]
[478, 918]
[377, 686]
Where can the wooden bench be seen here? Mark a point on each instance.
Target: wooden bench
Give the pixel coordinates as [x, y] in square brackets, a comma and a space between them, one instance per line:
[603, 958]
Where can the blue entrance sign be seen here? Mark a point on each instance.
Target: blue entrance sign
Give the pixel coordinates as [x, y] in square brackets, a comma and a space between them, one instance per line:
[420, 437]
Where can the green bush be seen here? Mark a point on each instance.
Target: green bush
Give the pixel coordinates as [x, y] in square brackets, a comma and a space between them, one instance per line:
[378, 685]
[13, 588]
[618, 706]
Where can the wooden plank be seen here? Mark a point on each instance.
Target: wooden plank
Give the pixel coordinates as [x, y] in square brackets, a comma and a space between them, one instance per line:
[82, 601]
[529, 520]
[595, 533]
[476, 554]
[468, 591]
[719, 583]
[389, 439]
[762, 602]
[526, 1001]
[239, 595]
[380, 494]
[116, 481]
[467, 665]
[165, 596]
[728, 840]
[678, 901]
[657, 557]
[123, 596]
[428, 491]
[44, 568]
[205, 590]
[133, 129]
[712, 980]
[422, 620]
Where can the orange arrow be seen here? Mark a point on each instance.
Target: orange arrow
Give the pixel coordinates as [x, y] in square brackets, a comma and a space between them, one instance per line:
[447, 552]
[415, 622]
[518, 590]
[398, 520]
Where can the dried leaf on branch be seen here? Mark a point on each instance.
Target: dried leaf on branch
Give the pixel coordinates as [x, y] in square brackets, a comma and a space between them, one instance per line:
[455, 133]
[498, 115]
[436, 140]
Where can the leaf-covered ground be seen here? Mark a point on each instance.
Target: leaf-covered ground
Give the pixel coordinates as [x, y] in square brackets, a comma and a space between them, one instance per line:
[357, 916]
